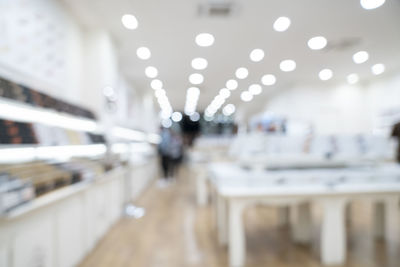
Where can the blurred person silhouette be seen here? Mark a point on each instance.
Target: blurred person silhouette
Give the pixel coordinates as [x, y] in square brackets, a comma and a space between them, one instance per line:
[171, 151]
[396, 135]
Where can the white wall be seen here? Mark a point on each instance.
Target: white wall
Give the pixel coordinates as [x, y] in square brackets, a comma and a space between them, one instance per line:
[342, 109]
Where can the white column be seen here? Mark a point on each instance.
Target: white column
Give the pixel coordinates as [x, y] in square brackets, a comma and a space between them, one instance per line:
[301, 223]
[392, 219]
[201, 188]
[333, 236]
[237, 241]
[222, 221]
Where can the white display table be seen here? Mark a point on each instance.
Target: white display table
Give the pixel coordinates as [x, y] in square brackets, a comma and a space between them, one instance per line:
[331, 188]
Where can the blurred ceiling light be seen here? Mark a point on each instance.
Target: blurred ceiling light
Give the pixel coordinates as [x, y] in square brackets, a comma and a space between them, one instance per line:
[287, 65]
[360, 57]
[282, 24]
[352, 78]
[225, 93]
[268, 79]
[199, 63]
[246, 96]
[195, 116]
[205, 39]
[255, 89]
[378, 69]
[151, 72]
[196, 78]
[176, 116]
[143, 53]
[325, 74]
[108, 91]
[156, 84]
[229, 109]
[257, 55]
[242, 73]
[231, 84]
[166, 123]
[193, 91]
[317, 43]
[129, 21]
[371, 4]
[160, 93]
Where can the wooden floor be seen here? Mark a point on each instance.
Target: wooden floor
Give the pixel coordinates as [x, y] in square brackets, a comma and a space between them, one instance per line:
[175, 233]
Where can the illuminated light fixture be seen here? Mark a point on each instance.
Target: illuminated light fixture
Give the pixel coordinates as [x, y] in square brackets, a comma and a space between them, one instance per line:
[287, 65]
[160, 93]
[199, 63]
[231, 84]
[151, 72]
[255, 89]
[196, 78]
[156, 84]
[205, 39]
[129, 21]
[225, 93]
[242, 73]
[378, 69]
[165, 114]
[195, 116]
[228, 109]
[257, 55]
[208, 117]
[317, 43]
[352, 78]
[143, 53]
[246, 96]
[166, 123]
[371, 4]
[325, 74]
[360, 57]
[281, 24]
[268, 79]
[193, 91]
[128, 134]
[176, 116]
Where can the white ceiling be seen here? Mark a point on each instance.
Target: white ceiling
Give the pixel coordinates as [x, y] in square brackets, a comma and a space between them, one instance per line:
[169, 28]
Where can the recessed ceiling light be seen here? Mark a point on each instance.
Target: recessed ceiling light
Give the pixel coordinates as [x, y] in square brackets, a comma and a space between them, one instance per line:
[352, 78]
[371, 4]
[225, 93]
[143, 53]
[129, 21]
[378, 69]
[199, 63]
[176, 116]
[360, 57]
[257, 55]
[205, 39]
[246, 96]
[282, 24]
[325, 74]
[166, 123]
[268, 79]
[193, 91]
[160, 93]
[151, 72]
[195, 116]
[317, 43]
[228, 109]
[231, 84]
[156, 84]
[287, 65]
[242, 73]
[196, 78]
[255, 89]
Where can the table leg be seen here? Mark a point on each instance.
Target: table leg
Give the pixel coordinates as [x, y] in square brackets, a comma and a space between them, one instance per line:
[237, 242]
[201, 189]
[222, 221]
[301, 223]
[392, 219]
[333, 236]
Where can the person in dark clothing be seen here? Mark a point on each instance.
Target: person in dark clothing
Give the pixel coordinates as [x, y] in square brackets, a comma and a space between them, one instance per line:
[396, 134]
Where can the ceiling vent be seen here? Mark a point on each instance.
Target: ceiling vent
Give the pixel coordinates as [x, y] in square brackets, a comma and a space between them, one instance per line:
[216, 8]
